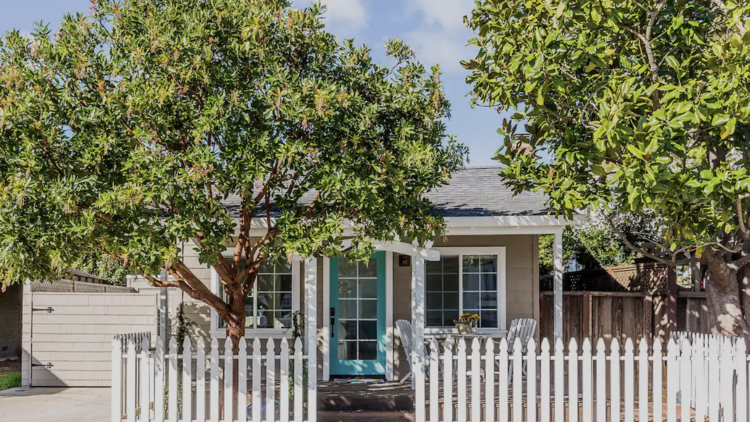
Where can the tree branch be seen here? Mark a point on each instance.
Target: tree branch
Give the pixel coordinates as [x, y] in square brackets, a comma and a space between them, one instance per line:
[633, 247]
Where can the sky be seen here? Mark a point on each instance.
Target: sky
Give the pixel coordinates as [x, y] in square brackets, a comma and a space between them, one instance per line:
[433, 28]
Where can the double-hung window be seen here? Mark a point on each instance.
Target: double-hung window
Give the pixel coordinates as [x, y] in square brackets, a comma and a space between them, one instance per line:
[466, 281]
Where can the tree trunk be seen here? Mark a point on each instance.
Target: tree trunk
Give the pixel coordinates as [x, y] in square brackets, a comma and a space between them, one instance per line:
[724, 303]
[236, 331]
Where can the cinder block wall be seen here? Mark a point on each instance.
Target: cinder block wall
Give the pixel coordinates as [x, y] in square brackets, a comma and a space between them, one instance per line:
[10, 329]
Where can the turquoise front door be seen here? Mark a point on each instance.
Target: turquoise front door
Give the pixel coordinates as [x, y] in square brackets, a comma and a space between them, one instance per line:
[358, 317]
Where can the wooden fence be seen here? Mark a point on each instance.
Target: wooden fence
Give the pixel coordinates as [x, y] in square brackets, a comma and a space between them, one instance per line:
[622, 315]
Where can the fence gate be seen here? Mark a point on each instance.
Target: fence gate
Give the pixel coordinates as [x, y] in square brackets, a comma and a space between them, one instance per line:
[67, 336]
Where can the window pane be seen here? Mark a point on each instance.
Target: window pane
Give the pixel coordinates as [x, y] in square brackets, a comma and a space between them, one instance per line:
[471, 282]
[488, 263]
[264, 319]
[348, 288]
[450, 282]
[265, 301]
[265, 283]
[450, 265]
[434, 318]
[471, 264]
[368, 268]
[449, 318]
[283, 300]
[489, 282]
[489, 319]
[435, 301]
[284, 319]
[368, 350]
[284, 283]
[450, 300]
[368, 330]
[471, 301]
[368, 309]
[434, 283]
[489, 301]
[433, 267]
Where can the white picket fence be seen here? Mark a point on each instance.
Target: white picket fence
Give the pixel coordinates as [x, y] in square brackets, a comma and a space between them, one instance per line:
[574, 384]
[163, 385]
[474, 381]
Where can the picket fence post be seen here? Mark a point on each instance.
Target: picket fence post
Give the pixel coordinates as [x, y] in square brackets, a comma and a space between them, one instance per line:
[159, 380]
[434, 384]
[573, 380]
[503, 381]
[116, 411]
[545, 381]
[284, 381]
[727, 380]
[657, 384]
[461, 375]
[256, 400]
[673, 380]
[448, 380]
[489, 388]
[130, 384]
[298, 381]
[187, 380]
[242, 381]
[601, 381]
[531, 380]
[586, 378]
[643, 380]
[476, 379]
[200, 381]
[686, 380]
[228, 379]
[214, 394]
[699, 375]
[270, 380]
[629, 378]
[517, 381]
[614, 387]
[145, 388]
[173, 380]
[559, 381]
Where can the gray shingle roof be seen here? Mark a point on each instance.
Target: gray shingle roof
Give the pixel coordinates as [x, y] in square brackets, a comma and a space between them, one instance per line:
[472, 192]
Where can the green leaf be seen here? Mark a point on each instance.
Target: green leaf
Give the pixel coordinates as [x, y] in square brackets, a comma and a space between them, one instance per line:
[719, 119]
[560, 9]
[672, 62]
[635, 151]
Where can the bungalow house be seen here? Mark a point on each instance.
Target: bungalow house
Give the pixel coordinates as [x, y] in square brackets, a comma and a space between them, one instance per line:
[486, 264]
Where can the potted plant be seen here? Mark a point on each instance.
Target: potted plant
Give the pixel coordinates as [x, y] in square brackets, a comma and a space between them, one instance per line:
[467, 323]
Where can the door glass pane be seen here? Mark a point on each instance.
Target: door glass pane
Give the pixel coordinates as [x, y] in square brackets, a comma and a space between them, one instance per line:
[368, 289]
[368, 330]
[471, 300]
[347, 288]
[346, 268]
[368, 309]
[348, 350]
[368, 350]
[368, 268]
[347, 330]
[348, 309]
[471, 282]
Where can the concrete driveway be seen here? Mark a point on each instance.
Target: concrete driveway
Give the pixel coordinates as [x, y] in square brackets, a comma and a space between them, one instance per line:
[55, 404]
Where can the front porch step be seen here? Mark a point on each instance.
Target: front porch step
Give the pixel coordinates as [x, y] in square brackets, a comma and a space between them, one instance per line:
[388, 397]
[334, 416]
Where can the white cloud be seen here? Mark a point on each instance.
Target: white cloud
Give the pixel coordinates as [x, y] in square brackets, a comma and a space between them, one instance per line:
[441, 36]
[347, 16]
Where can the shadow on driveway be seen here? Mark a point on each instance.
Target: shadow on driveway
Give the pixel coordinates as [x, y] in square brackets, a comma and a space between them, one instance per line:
[55, 404]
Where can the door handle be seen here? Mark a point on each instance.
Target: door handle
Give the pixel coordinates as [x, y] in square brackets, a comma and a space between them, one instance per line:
[333, 320]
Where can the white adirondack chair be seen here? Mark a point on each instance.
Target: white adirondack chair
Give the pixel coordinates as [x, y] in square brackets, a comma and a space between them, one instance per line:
[522, 330]
[404, 332]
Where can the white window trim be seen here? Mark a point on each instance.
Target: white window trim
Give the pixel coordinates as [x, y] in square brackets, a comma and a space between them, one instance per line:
[501, 288]
[220, 333]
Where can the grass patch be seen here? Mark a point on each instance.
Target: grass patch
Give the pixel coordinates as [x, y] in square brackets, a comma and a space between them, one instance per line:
[10, 379]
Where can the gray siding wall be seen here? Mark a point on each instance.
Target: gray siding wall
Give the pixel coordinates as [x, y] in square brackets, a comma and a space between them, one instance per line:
[522, 263]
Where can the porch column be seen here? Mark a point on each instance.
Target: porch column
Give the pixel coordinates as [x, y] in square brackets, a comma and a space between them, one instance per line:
[558, 285]
[418, 323]
[311, 335]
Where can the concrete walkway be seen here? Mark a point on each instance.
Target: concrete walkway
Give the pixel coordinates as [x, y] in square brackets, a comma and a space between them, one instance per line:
[55, 405]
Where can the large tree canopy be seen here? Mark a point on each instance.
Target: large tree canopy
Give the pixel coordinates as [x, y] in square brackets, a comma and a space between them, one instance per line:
[126, 132]
[635, 106]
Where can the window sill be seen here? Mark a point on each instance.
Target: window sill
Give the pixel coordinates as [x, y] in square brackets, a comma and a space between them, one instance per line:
[256, 333]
